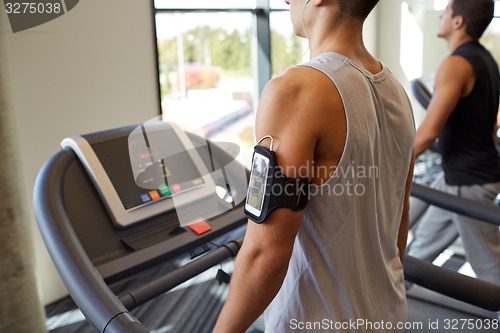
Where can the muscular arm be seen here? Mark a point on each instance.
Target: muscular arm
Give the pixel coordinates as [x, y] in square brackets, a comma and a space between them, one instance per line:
[260, 268]
[454, 80]
[262, 262]
[405, 219]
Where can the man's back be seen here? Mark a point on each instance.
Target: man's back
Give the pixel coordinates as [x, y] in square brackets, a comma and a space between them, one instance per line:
[345, 263]
[304, 113]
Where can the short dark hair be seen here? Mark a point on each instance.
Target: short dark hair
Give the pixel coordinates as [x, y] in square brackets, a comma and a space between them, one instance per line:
[477, 15]
[357, 8]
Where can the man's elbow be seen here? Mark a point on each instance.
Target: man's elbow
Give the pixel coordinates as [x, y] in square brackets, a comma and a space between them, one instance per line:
[424, 140]
[428, 136]
[271, 262]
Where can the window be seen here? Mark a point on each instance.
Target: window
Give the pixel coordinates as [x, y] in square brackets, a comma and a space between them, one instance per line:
[215, 56]
[287, 49]
[204, 4]
[205, 74]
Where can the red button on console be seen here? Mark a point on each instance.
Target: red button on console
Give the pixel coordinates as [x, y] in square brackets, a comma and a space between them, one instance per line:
[200, 227]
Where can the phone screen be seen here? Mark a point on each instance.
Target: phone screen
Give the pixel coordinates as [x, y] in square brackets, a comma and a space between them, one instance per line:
[257, 184]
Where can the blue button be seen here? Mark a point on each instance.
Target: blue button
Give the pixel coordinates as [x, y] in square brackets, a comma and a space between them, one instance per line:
[145, 197]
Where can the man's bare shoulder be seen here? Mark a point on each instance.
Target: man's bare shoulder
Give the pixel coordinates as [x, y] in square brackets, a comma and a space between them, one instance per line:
[300, 88]
[455, 76]
[292, 80]
[455, 67]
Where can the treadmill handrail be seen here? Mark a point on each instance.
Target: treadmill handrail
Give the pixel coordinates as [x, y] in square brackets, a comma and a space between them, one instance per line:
[470, 290]
[152, 289]
[86, 286]
[477, 210]
[477, 292]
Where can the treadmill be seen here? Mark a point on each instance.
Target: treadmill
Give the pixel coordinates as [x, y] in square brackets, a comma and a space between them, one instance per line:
[437, 296]
[443, 300]
[92, 250]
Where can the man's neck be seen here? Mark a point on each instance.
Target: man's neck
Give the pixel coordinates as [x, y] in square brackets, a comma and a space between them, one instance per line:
[454, 43]
[346, 40]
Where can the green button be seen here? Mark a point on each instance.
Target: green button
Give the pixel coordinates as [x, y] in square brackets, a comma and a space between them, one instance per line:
[164, 189]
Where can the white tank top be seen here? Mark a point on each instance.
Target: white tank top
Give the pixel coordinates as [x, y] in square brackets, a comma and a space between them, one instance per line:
[345, 274]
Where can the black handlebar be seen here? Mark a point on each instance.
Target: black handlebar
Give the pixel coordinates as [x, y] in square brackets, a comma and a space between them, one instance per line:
[86, 286]
[489, 213]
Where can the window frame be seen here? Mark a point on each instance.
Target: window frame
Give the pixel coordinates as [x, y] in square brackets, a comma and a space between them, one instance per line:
[260, 34]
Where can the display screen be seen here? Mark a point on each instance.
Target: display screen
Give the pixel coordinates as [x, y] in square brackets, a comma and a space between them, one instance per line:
[143, 171]
[257, 184]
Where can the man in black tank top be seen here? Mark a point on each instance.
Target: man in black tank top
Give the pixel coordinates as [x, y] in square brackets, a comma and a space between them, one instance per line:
[463, 115]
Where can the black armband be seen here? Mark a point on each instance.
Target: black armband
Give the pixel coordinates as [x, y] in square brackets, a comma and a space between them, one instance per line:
[269, 188]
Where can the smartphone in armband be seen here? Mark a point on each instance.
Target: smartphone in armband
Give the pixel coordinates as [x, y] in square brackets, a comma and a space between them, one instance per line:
[257, 185]
[269, 188]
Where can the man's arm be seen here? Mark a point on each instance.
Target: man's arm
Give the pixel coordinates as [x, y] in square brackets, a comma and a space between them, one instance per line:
[262, 262]
[454, 80]
[405, 219]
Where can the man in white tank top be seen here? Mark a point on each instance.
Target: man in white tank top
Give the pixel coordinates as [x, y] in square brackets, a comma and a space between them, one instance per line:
[343, 121]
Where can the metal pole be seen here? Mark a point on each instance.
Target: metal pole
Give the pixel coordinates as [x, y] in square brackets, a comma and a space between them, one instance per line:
[261, 49]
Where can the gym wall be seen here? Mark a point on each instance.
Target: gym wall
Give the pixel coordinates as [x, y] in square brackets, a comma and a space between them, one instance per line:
[91, 69]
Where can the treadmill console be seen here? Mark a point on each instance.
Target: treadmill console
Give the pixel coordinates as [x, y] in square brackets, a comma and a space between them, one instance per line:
[141, 172]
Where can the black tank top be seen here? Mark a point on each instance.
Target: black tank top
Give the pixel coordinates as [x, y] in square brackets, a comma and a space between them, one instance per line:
[466, 144]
